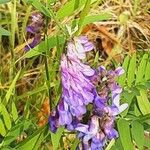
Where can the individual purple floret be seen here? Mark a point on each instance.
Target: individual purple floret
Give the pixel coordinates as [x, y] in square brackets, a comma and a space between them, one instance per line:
[35, 29]
[92, 136]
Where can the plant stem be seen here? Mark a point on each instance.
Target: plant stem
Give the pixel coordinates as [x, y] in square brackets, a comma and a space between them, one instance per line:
[12, 37]
[46, 65]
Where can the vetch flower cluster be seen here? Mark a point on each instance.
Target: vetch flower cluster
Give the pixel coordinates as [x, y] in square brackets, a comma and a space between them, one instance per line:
[106, 106]
[81, 86]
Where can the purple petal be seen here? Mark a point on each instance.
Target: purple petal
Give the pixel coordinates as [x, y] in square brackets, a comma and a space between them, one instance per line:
[111, 133]
[82, 128]
[88, 46]
[83, 39]
[119, 71]
[30, 29]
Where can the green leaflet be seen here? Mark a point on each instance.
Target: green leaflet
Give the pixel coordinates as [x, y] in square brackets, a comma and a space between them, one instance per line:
[68, 9]
[141, 69]
[143, 102]
[124, 133]
[2, 128]
[147, 70]
[122, 78]
[95, 18]
[14, 111]
[144, 118]
[138, 133]
[131, 71]
[6, 116]
[56, 138]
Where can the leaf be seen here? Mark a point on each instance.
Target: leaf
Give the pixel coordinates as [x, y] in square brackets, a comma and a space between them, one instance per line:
[144, 118]
[137, 112]
[11, 88]
[83, 14]
[56, 138]
[143, 102]
[124, 132]
[2, 128]
[131, 71]
[4, 1]
[39, 49]
[68, 9]
[147, 71]
[6, 116]
[138, 133]
[4, 32]
[34, 140]
[122, 78]
[14, 111]
[15, 131]
[95, 18]
[141, 69]
[38, 5]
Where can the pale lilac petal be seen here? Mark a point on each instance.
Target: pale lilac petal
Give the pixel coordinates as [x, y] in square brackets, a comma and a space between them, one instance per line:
[82, 128]
[119, 71]
[88, 46]
[123, 107]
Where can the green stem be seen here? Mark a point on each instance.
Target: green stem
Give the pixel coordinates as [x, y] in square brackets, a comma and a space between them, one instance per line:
[46, 65]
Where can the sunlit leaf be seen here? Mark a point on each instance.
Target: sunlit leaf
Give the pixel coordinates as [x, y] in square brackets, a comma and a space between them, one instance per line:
[131, 70]
[56, 138]
[138, 133]
[143, 102]
[124, 133]
[2, 128]
[6, 116]
[141, 69]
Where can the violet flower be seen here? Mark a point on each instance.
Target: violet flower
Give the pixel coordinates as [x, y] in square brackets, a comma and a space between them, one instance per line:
[35, 29]
[82, 85]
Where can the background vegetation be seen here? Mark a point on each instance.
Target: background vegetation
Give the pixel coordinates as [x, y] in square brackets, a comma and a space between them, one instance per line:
[120, 30]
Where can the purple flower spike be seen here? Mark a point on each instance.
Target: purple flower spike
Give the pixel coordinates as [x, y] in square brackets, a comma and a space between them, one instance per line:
[77, 89]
